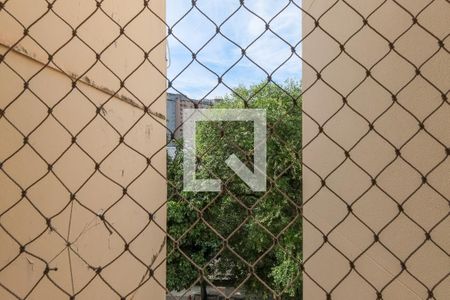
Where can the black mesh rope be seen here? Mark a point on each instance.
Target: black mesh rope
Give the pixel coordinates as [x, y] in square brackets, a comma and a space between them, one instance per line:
[228, 245]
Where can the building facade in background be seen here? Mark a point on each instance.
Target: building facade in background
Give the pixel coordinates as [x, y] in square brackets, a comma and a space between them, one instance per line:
[175, 105]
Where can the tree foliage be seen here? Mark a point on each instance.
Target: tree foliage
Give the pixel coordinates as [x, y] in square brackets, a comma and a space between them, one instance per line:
[238, 235]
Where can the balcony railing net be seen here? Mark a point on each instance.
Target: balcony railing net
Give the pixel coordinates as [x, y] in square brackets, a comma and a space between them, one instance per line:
[235, 243]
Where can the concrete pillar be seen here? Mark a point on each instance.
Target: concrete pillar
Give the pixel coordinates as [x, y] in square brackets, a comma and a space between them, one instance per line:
[67, 103]
[370, 211]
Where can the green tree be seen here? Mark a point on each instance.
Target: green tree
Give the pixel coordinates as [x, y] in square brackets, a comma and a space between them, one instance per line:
[238, 235]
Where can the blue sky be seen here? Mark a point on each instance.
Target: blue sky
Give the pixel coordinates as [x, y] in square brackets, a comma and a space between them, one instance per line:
[268, 51]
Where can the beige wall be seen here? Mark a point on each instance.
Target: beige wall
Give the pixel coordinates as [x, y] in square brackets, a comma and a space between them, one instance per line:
[396, 125]
[48, 193]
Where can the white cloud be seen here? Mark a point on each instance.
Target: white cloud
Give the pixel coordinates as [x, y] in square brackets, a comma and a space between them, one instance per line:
[219, 55]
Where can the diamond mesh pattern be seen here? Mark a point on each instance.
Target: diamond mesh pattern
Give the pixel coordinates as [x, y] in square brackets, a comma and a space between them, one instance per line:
[105, 122]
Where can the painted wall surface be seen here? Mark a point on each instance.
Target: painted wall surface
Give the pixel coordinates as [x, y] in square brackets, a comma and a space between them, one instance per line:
[56, 212]
[343, 102]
